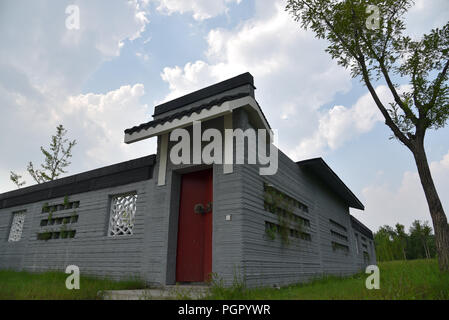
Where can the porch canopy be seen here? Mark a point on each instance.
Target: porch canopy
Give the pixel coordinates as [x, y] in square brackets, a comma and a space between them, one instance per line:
[211, 102]
[218, 100]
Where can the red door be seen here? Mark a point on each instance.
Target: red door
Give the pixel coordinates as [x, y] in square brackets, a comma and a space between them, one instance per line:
[194, 250]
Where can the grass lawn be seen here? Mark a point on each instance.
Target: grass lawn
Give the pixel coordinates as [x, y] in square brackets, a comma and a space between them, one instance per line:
[416, 279]
[51, 286]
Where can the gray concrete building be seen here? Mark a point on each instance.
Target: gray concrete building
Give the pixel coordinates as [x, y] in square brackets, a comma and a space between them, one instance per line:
[169, 222]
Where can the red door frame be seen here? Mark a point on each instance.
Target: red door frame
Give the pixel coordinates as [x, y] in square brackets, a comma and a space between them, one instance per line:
[194, 244]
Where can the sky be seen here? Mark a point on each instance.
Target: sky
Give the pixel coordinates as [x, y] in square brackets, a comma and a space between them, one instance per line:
[129, 55]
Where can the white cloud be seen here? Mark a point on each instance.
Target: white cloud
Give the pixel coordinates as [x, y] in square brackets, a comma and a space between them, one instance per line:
[38, 44]
[340, 124]
[105, 116]
[200, 9]
[43, 67]
[293, 74]
[426, 15]
[385, 204]
[96, 121]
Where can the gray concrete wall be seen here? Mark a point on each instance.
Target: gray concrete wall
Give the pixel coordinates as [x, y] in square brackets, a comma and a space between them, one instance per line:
[270, 262]
[92, 250]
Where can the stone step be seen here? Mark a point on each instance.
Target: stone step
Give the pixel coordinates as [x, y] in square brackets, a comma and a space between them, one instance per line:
[164, 293]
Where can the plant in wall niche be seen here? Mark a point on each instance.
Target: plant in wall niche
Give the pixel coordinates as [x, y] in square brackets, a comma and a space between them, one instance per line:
[281, 205]
[299, 226]
[67, 204]
[74, 218]
[45, 235]
[45, 207]
[50, 218]
[64, 232]
[270, 231]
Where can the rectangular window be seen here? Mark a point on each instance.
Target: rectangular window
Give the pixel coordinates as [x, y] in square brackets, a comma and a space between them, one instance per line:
[339, 235]
[276, 202]
[269, 189]
[272, 227]
[122, 214]
[336, 224]
[356, 237]
[339, 247]
[365, 257]
[15, 233]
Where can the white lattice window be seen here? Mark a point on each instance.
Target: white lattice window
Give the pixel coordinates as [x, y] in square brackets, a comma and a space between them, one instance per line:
[122, 215]
[15, 232]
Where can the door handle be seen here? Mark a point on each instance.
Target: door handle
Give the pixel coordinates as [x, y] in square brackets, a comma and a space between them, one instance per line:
[200, 209]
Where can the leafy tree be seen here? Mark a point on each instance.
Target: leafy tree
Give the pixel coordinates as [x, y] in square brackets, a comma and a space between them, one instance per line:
[401, 238]
[384, 244]
[379, 54]
[422, 233]
[16, 179]
[56, 159]
[396, 244]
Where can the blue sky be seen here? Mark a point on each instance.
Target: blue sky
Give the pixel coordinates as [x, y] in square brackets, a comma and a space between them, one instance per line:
[130, 55]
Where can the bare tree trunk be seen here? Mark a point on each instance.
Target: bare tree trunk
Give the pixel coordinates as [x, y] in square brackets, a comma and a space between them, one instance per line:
[439, 219]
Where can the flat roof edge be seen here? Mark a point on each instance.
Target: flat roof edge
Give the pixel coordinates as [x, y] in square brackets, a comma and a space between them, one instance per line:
[350, 197]
[110, 176]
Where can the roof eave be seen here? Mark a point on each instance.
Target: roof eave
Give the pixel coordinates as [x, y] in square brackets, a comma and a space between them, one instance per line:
[344, 192]
[204, 114]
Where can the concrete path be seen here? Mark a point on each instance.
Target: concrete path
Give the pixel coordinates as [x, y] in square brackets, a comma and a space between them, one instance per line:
[165, 293]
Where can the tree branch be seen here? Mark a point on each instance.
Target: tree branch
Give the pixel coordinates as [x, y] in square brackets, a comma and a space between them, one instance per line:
[396, 97]
[388, 121]
[437, 86]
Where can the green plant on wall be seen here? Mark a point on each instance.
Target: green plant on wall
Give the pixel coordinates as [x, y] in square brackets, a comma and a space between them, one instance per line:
[271, 231]
[281, 205]
[63, 231]
[66, 202]
[50, 216]
[45, 235]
